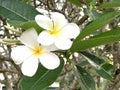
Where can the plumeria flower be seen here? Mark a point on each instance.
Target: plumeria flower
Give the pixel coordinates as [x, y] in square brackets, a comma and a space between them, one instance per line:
[56, 31]
[31, 53]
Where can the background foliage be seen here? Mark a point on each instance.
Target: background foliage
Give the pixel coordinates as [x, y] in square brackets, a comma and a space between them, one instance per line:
[93, 61]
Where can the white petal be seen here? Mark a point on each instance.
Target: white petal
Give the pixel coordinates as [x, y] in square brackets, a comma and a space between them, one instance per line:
[63, 44]
[20, 53]
[45, 38]
[29, 38]
[71, 30]
[44, 22]
[59, 20]
[50, 60]
[50, 48]
[30, 66]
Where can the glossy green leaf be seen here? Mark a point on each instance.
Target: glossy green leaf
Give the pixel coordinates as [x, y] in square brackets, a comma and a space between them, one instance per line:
[98, 23]
[93, 15]
[86, 80]
[105, 70]
[25, 0]
[101, 39]
[92, 5]
[76, 2]
[83, 63]
[17, 10]
[114, 0]
[26, 25]
[109, 5]
[93, 2]
[113, 32]
[14, 23]
[31, 24]
[88, 1]
[92, 57]
[42, 79]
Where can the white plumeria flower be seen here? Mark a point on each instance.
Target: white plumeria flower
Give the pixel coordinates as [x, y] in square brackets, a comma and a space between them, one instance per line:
[57, 30]
[31, 53]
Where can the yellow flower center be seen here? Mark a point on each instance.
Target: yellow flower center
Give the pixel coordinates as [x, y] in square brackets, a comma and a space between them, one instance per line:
[55, 29]
[54, 32]
[37, 51]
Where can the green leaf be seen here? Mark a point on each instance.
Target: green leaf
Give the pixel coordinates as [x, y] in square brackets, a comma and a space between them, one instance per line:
[93, 2]
[114, 0]
[113, 32]
[101, 39]
[14, 23]
[88, 1]
[76, 2]
[42, 79]
[26, 25]
[105, 70]
[92, 57]
[85, 79]
[93, 15]
[31, 24]
[25, 0]
[98, 23]
[109, 5]
[83, 63]
[92, 5]
[17, 10]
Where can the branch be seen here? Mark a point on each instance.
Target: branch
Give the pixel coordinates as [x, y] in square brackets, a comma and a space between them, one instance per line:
[82, 20]
[54, 9]
[7, 70]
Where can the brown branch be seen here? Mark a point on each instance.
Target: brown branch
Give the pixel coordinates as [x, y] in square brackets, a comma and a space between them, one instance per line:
[4, 71]
[82, 20]
[43, 1]
[7, 70]
[54, 9]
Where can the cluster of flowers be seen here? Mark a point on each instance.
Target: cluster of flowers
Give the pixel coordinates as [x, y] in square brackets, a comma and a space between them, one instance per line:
[57, 35]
